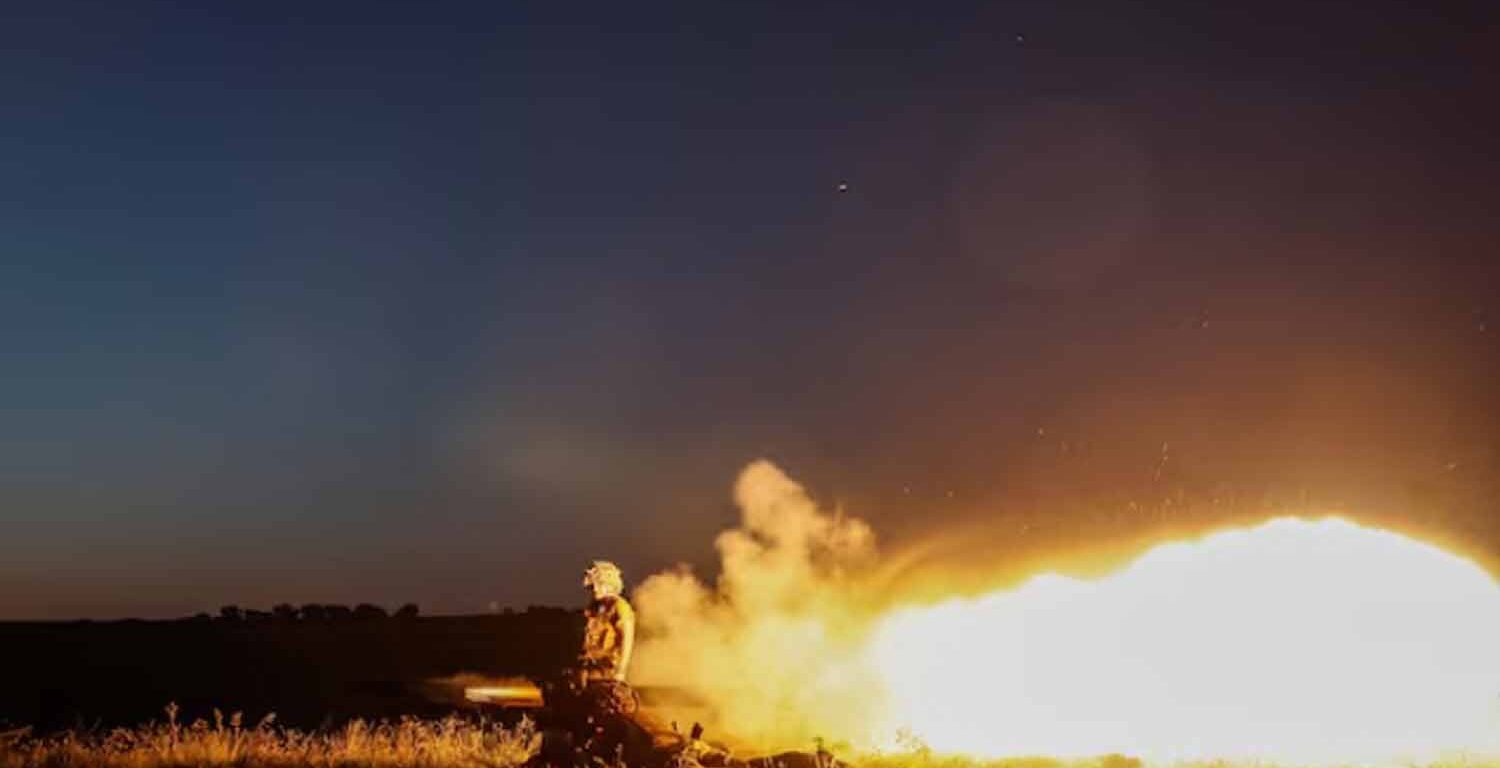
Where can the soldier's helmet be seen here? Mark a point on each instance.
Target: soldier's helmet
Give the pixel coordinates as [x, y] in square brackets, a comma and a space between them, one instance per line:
[604, 578]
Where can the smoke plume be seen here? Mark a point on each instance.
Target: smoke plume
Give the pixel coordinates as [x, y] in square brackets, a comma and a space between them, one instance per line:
[1298, 641]
[775, 646]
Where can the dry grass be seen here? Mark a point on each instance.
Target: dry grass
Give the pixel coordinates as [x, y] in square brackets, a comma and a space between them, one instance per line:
[411, 742]
[446, 743]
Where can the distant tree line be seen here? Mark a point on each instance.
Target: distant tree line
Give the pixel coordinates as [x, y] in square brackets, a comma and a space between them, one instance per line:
[311, 612]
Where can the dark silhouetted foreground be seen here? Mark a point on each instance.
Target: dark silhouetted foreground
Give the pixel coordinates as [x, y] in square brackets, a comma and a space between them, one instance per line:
[311, 673]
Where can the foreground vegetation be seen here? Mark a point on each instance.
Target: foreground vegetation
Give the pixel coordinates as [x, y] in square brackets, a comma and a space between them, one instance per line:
[410, 742]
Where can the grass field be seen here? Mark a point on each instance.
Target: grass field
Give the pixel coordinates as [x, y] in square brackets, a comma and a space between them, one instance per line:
[226, 741]
[446, 743]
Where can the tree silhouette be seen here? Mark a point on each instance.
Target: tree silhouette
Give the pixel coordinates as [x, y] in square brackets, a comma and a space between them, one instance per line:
[368, 612]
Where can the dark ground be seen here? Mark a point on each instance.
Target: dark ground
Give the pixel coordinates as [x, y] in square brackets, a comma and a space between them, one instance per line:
[310, 673]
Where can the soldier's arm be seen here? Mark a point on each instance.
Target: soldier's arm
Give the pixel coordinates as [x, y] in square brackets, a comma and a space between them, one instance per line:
[627, 635]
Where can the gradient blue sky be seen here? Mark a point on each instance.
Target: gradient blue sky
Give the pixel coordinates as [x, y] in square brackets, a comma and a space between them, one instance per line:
[435, 302]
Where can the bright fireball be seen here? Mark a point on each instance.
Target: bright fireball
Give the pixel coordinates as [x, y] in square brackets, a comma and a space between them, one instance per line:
[1297, 641]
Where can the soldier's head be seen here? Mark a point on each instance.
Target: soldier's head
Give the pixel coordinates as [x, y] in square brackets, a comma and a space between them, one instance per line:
[603, 579]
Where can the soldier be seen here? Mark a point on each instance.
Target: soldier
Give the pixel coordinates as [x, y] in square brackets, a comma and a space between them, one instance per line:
[595, 707]
[609, 636]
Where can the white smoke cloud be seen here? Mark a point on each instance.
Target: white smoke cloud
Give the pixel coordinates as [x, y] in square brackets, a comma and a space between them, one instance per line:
[774, 646]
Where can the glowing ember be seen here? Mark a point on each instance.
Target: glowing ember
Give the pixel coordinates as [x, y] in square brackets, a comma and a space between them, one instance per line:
[1296, 641]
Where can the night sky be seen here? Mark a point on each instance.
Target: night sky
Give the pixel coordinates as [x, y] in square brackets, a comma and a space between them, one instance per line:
[430, 302]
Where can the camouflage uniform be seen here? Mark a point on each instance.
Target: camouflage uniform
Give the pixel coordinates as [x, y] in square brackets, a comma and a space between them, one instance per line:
[596, 706]
[607, 639]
